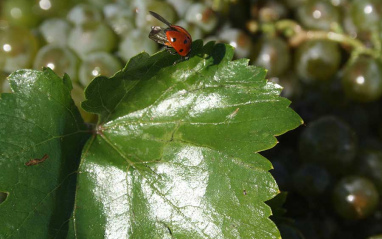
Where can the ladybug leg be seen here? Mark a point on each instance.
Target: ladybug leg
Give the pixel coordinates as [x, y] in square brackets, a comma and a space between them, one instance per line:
[180, 60]
[171, 50]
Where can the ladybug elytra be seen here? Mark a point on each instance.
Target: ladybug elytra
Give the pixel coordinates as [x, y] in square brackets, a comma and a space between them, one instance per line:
[175, 37]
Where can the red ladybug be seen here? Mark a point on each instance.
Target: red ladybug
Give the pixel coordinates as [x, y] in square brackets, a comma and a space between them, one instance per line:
[175, 37]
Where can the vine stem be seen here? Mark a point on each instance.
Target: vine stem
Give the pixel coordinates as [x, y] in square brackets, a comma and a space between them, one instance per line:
[296, 35]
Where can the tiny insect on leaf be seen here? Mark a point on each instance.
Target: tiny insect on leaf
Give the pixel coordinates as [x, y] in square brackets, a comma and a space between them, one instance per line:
[175, 37]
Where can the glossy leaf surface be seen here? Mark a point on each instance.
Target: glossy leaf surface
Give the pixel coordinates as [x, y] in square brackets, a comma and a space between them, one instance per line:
[41, 137]
[175, 149]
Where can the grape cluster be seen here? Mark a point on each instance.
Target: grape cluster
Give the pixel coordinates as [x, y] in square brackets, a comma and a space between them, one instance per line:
[87, 38]
[325, 53]
[332, 166]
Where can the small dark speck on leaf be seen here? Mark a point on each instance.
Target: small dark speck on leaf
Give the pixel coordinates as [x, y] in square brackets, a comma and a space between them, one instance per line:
[36, 161]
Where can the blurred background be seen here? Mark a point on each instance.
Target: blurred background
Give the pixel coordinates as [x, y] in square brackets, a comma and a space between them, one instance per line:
[326, 54]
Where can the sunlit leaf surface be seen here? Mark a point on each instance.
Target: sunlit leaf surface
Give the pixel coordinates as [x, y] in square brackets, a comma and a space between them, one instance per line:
[41, 137]
[174, 154]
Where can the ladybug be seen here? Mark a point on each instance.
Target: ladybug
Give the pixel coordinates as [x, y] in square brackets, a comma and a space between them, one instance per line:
[173, 37]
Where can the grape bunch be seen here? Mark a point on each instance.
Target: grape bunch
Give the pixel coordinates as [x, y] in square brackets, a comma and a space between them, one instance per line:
[326, 54]
[85, 39]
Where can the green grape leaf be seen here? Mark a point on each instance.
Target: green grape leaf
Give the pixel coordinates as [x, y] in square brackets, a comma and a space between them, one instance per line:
[41, 138]
[175, 151]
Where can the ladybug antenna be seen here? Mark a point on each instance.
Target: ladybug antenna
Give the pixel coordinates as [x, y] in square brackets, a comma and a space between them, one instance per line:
[160, 18]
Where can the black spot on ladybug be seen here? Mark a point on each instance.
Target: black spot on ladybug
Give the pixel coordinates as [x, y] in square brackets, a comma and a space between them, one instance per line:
[185, 41]
[181, 50]
[173, 39]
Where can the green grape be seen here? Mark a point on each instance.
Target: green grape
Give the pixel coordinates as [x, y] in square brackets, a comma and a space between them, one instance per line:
[92, 37]
[317, 60]
[163, 9]
[134, 43]
[369, 164]
[60, 59]
[329, 142]
[272, 11]
[202, 16]
[18, 47]
[292, 87]
[355, 197]
[311, 180]
[98, 63]
[362, 79]
[366, 14]
[273, 54]
[55, 31]
[238, 39]
[53, 8]
[98, 3]
[144, 20]
[318, 14]
[340, 3]
[348, 24]
[84, 13]
[21, 13]
[119, 17]
[181, 7]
